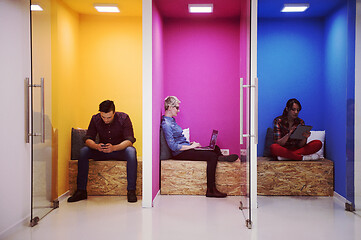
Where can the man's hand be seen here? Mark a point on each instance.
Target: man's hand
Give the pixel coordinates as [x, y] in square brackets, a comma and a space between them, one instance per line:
[107, 148]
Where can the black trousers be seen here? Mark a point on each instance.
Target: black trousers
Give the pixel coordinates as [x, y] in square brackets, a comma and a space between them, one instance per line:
[200, 155]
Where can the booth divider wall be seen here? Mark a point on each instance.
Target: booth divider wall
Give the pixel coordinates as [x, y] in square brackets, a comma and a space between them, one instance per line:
[158, 83]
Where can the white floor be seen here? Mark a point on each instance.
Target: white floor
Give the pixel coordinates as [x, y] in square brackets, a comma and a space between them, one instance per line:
[195, 217]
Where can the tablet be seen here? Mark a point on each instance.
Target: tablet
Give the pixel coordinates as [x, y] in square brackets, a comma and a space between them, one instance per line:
[297, 134]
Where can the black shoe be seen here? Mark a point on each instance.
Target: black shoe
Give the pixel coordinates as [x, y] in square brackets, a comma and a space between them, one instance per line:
[78, 195]
[215, 193]
[230, 158]
[131, 196]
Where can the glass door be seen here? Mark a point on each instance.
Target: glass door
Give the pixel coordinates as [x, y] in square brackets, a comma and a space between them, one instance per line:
[41, 131]
[249, 118]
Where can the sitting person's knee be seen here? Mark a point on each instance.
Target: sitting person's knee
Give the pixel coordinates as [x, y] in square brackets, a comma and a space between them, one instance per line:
[273, 147]
[317, 144]
[84, 151]
[131, 151]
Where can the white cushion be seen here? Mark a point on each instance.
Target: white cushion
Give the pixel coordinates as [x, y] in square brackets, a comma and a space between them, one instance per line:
[186, 134]
[318, 135]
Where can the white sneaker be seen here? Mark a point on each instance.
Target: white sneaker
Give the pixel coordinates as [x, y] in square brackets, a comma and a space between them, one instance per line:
[282, 158]
[310, 157]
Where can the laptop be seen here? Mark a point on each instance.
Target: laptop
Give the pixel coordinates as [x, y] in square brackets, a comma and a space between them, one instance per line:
[212, 143]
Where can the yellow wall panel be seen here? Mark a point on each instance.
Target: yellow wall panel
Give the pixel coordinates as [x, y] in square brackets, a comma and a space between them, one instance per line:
[111, 68]
[93, 58]
[65, 75]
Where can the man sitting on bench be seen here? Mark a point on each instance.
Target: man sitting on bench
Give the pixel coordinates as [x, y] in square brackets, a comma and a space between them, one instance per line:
[116, 138]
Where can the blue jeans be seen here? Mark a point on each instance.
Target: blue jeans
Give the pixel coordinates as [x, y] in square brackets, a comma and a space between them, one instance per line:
[129, 154]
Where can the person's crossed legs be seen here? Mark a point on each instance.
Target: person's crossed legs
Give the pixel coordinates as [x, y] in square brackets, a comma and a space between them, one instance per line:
[296, 154]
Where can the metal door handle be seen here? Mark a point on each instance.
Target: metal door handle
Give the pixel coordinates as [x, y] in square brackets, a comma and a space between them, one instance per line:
[241, 110]
[42, 110]
[42, 95]
[256, 110]
[27, 107]
[255, 86]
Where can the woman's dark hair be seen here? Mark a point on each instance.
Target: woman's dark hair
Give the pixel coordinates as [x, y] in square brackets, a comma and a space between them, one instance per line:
[289, 105]
[107, 106]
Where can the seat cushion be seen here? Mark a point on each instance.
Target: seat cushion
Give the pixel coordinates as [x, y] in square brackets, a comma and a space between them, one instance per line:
[77, 142]
[165, 152]
[268, 143]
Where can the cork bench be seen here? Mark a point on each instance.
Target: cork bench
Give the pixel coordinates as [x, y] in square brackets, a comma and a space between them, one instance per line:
[105, 177]
[182, 177]
[300, 178]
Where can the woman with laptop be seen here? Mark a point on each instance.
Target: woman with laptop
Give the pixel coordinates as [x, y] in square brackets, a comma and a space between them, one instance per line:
[290, 135]
[185, 150]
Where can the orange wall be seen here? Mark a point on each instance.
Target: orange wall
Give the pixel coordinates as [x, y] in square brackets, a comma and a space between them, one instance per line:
[93, 58]
[65, 75]
[111, 68]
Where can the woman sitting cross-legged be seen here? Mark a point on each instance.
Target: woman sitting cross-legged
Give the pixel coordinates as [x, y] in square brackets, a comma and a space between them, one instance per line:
[289, 148]
[184, 150]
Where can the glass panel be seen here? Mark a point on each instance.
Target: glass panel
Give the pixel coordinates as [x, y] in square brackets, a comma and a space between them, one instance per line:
[42, 200]
[248, 120]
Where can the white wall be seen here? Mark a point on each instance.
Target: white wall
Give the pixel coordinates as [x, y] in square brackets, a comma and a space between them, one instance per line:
[15, 166]
[358, 108]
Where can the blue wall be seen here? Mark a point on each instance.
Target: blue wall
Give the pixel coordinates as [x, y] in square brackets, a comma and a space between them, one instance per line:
[340, 95]
[335, 92]
[290, 65]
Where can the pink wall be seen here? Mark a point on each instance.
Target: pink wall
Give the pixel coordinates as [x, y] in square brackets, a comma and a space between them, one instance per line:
[157, 92]
[202, 68]
[245, 28]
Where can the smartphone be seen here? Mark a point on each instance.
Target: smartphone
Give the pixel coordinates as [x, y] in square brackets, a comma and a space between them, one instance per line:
[103, 145]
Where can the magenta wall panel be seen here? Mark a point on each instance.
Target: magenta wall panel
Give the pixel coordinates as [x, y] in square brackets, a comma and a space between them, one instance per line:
[202, 67]
[157, 92]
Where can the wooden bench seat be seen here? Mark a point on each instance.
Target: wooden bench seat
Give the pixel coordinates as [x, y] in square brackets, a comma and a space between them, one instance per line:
[277, 178]
[301, 178]
[105, 177]
[182, 177]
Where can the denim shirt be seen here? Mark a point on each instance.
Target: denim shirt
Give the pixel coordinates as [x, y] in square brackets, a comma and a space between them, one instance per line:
[173, 134]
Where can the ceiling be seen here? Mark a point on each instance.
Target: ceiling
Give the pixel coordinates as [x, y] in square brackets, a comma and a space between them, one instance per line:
[222, 8]
[318, 8]
[179, 8]
[232, 8]
[128, 8]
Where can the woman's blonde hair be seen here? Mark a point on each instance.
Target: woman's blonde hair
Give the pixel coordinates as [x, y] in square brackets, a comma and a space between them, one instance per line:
[171, 101]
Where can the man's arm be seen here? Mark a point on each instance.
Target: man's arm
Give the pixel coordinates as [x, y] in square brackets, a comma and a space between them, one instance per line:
[90, 143]
[121, 146]
[128, 132]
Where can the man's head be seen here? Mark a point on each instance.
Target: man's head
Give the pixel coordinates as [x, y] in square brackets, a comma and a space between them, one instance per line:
[107, 111]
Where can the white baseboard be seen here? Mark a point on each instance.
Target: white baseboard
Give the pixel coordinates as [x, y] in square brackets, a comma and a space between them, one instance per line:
[25, 222]
[155, 198]
[64, 196]
[340, 199]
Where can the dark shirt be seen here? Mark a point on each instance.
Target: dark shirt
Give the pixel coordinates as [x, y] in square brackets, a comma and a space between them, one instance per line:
[281, 128]
[119, 130]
